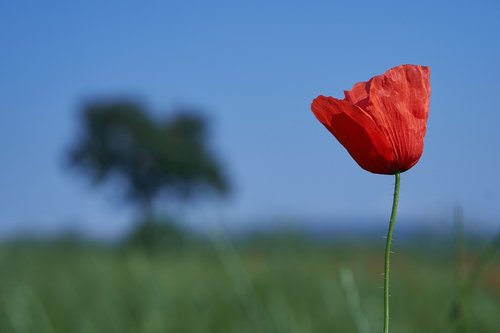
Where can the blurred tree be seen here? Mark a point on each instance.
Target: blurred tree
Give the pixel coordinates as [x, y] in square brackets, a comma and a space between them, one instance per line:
[152, 157]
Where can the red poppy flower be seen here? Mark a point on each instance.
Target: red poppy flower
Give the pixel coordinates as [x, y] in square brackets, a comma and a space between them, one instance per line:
[381, 122]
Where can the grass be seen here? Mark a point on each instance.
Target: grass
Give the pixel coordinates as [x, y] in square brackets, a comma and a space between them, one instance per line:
[272, 287]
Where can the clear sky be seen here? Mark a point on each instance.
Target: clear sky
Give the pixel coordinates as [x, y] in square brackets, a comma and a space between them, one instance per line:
[255, 68]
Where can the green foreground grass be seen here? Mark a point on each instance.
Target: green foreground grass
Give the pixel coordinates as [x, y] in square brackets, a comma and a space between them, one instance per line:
[283, 288]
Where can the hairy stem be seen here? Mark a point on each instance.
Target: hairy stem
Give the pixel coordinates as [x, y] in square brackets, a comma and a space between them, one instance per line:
[388, 244]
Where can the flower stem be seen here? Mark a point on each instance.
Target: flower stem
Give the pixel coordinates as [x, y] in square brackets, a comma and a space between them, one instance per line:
[388, 244]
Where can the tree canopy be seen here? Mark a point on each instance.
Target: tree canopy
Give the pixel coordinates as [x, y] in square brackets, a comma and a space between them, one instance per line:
[120, 141]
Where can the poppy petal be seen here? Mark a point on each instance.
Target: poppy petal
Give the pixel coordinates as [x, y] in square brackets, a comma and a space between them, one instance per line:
[399, 103]
[381, 122]
[356, 131]
[359, 94]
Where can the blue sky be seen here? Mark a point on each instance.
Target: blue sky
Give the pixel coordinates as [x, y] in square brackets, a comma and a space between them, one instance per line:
[255, 68]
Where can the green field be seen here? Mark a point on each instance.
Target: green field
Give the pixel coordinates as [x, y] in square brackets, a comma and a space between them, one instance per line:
[272, 287]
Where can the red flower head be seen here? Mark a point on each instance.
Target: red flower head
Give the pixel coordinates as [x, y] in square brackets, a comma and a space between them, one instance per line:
[381, 122]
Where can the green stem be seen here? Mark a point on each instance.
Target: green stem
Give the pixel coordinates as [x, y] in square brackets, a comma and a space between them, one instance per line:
[388, 244]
